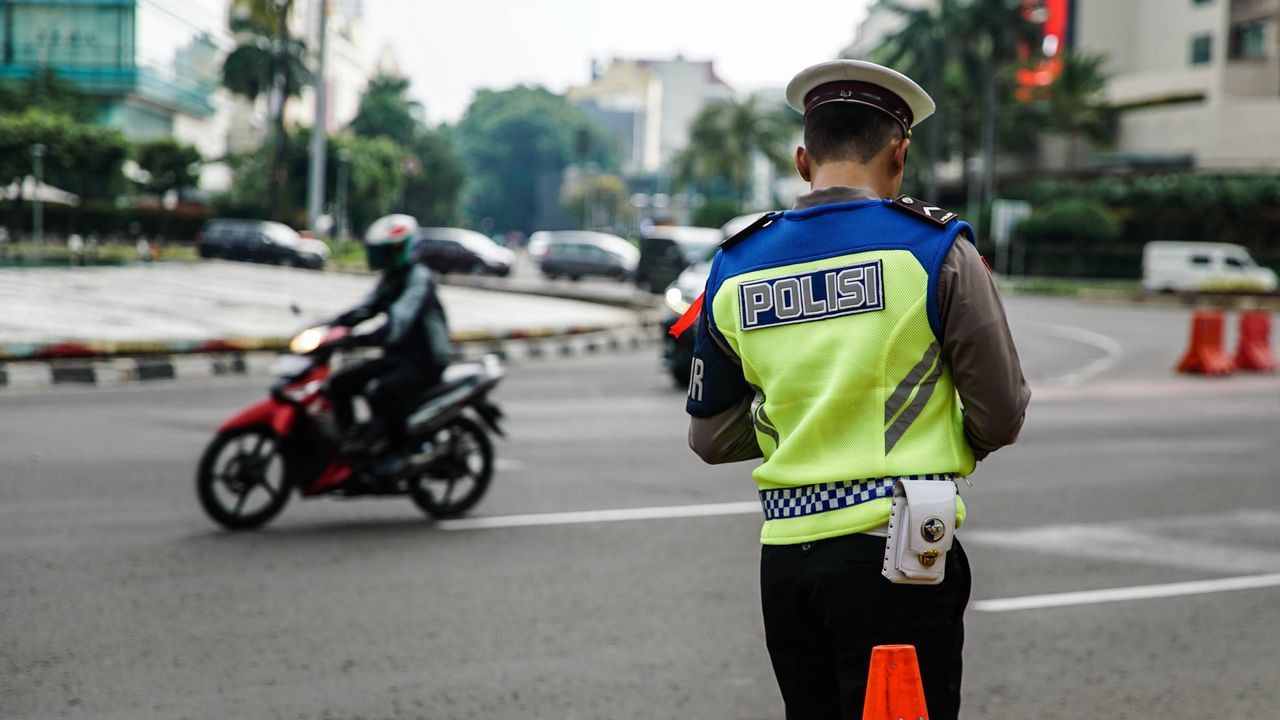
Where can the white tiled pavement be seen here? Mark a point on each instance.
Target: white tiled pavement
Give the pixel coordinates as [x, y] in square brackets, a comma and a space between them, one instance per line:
[208, 300]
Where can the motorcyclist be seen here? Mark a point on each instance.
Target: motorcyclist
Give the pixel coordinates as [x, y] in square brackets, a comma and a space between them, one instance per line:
[414, 338]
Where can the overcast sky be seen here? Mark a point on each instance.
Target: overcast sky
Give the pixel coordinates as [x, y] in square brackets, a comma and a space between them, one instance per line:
[449, 48]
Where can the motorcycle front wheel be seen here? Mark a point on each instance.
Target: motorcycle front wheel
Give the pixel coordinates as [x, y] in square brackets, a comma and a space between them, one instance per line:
[242, 481]
[455, 482]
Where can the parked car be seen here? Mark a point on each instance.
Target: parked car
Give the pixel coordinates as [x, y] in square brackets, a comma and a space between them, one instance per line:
[446, 250]
[677, 352]
[666, 250]
[1191, 266]
[259, 241]
[578, 253]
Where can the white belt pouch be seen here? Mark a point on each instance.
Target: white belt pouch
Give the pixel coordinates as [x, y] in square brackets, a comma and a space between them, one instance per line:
[921, 528]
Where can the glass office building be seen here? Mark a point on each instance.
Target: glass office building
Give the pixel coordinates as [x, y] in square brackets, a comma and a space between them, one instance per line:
[149, 61]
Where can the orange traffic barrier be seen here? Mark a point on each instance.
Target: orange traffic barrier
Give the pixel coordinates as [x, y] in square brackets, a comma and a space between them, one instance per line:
[1254, 352]
[894, 691]
[1206, 356]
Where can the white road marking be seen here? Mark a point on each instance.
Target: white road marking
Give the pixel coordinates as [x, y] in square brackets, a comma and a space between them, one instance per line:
[1139, 592]
[1240, 542]
[598, 516]
[1111, 350]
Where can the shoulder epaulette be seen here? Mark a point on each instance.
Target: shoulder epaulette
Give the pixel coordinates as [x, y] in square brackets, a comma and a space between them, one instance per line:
[922, 209]
[749, 230]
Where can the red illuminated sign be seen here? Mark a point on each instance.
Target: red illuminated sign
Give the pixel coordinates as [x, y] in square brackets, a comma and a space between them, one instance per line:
[1043, 64]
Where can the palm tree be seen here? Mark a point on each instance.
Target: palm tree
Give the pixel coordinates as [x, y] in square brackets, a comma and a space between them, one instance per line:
[725, 139]
[922, 49]
[1075, 104]
[267, 59]
[386, 110]
[999, 27]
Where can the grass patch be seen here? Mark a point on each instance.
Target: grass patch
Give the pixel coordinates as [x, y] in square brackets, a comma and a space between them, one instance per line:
[26, 254]
[1064, 286]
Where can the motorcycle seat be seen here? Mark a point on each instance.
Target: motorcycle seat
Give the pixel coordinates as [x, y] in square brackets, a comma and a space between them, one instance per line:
[436, 391]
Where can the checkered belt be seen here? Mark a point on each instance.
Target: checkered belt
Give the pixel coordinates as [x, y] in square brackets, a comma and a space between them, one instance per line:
[780, 503]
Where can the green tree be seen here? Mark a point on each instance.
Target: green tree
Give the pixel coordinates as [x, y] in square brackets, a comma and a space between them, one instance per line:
[432, 191]
[374, 178]
[386, 111]
[725, 139]
[517, 143]
[47, 91]
[1075, 104]
[922, 49]
[83, 159]
[433, 195]
[170, 166]
[600, 201]
[267, 60]
[971, 81]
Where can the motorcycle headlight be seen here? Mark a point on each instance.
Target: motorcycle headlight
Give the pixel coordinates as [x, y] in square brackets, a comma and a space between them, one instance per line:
[306, 341]
[676, 301]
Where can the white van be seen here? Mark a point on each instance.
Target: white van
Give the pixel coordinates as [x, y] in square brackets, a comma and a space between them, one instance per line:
[1189, 266]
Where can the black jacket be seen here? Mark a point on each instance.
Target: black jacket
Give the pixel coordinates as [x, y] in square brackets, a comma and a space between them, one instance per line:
[416, 326]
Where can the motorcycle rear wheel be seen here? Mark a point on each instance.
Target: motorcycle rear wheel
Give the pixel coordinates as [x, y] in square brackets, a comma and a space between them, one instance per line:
[457, 481]
[240, 465]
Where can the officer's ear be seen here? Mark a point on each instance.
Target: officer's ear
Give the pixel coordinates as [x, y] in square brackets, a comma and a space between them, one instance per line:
[900, 155]
[803, 163]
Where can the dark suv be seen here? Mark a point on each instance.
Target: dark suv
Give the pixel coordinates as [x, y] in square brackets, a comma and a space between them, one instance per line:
[665, 251]
[578, 253]
[260, 241]
[446, 249]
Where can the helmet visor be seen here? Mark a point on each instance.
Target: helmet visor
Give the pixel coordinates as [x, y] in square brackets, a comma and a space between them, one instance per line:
[380, 257]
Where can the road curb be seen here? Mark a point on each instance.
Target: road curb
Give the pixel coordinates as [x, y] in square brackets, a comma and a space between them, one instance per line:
[529, 345]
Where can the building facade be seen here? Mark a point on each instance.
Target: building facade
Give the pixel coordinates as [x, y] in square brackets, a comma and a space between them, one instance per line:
[649, 105]
[1198, 81]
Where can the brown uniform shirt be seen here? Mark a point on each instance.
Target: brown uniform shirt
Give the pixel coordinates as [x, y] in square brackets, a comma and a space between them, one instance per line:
[976, 344]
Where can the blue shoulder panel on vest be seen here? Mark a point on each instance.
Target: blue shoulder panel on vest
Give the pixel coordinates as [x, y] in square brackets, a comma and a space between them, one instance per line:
[828, 231]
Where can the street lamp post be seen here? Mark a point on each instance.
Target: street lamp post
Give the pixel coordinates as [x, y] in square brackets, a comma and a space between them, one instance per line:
[37, 207]
[344, 164]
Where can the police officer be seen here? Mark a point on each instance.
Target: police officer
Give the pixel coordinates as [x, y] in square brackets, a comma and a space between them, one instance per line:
[855, 341]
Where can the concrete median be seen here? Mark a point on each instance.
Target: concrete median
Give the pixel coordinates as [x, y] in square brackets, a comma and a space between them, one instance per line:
[110, 325]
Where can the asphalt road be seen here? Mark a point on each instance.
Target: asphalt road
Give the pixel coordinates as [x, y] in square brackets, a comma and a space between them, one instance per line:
[119, 600]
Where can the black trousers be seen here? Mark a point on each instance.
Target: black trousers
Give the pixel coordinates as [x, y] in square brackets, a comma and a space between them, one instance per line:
[826, 605]
[389, 383]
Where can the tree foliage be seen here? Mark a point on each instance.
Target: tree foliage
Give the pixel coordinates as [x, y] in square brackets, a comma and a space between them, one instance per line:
[169, 164]
[267, 58]
[970, 80]
[600, 202]
[725, 139]
[432, 191]
[1075, 104]
[433, 195]
[83, 159]
[517, 143]
[48, 92]
[386, 111]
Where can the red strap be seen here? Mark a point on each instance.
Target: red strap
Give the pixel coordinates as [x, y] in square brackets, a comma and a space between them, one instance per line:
[687, 320]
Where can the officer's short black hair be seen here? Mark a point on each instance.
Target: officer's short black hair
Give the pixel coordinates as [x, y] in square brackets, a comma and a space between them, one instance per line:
[848, 131]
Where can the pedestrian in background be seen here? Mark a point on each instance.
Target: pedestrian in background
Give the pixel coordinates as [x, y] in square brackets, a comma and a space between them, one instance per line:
[859, 345]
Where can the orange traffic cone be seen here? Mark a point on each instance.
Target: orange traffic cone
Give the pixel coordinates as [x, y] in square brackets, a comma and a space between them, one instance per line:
[894, 691]
[1254, 352]
[1206, 356]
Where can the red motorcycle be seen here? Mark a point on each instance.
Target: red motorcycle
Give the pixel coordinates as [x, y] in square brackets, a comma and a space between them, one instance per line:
[290, 441]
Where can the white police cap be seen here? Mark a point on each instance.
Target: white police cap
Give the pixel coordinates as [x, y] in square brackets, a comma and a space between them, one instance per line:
[859, 81]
